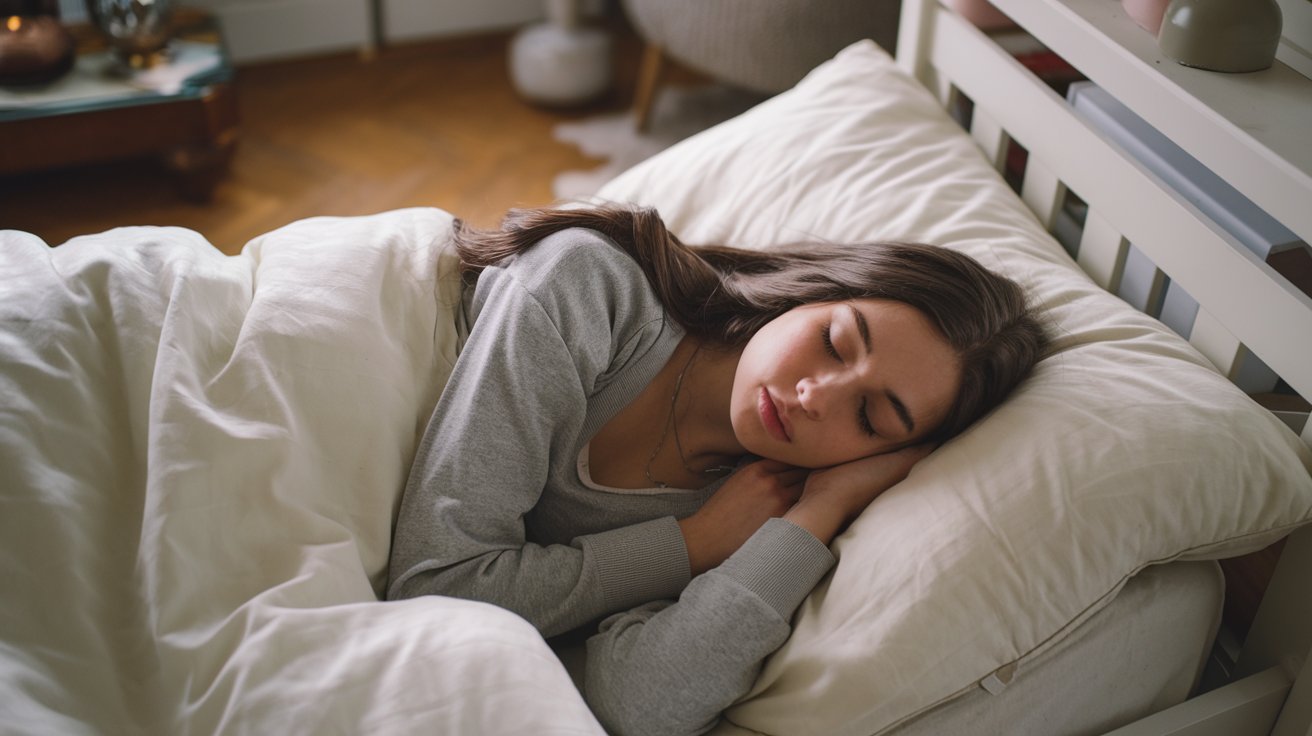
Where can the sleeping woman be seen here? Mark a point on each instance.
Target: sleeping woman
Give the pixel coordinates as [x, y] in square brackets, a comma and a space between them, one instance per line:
[665, 439]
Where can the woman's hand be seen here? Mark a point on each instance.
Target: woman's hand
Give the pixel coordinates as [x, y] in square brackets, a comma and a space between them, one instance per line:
[834, 496]
[753, 495]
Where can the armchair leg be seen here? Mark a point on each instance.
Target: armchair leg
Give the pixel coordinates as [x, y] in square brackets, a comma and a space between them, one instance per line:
[649, 77]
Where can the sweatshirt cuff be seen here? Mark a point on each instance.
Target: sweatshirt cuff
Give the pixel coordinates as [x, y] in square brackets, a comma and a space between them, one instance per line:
[781, 563]
[639, 563]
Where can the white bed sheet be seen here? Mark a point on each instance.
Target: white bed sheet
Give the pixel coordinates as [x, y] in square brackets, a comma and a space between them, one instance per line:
[200, 459]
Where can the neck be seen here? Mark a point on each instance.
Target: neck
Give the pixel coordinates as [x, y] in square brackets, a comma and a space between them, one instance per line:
[702, 411]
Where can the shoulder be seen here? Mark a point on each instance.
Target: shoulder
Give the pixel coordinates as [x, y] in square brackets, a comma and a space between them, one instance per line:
[594, 296]
[576, 273]
[576, 256]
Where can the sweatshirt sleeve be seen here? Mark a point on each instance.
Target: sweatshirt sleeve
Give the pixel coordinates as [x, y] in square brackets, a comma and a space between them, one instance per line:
[671, 668]
[517, 395]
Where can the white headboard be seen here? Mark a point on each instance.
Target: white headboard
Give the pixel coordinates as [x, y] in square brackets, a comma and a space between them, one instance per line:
[1252, 130]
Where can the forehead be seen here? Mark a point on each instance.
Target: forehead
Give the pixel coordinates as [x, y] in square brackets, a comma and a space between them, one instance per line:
[884, 311]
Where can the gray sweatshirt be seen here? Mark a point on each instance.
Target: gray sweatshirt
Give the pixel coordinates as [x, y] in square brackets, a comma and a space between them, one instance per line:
[499, 506]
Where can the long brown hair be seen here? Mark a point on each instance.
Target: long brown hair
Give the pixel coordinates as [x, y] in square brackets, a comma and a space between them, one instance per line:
[723, 295]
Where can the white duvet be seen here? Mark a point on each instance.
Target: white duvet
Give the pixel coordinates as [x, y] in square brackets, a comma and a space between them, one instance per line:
[200, 460]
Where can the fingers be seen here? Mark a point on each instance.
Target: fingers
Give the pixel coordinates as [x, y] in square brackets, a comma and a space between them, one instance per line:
[916, 453]
[900, 463]
[904, 458]
[918, 450]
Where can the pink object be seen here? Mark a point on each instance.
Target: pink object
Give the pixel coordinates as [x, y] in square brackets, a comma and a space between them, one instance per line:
[1147, 13]
[983, 14]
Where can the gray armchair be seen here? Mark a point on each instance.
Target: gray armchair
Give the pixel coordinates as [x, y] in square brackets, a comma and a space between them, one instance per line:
[762, 45]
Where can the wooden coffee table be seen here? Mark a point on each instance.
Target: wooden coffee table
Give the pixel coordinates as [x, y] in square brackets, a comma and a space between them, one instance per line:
[192, 130]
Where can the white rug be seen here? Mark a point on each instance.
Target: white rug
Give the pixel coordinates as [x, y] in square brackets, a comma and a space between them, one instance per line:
[677, 113]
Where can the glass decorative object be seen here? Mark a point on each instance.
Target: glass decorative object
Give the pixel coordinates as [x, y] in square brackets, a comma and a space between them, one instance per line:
[138, 30]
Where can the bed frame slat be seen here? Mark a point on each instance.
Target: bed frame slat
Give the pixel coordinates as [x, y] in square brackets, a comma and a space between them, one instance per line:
[1298, 706]
[1156, 293]
[1248, 707]
[913, 36]
[1043, 192]
[1280, 623]
[1102, 252]
[1215, 342]
[947, 94]
[990, 136]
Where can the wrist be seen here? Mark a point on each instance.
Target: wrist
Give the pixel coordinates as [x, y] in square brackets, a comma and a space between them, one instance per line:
[822, 521]
[697, 555]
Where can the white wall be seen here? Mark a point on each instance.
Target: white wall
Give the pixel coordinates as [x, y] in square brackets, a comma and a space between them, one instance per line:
[408, 20]
[267, 29]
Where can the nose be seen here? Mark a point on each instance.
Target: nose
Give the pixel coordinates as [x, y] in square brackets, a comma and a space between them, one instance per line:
[817, 394]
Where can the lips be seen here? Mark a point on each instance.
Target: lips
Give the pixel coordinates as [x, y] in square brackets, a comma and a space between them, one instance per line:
[770, 418]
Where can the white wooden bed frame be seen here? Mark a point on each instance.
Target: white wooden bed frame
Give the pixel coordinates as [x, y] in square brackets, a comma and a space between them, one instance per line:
[1250, 129]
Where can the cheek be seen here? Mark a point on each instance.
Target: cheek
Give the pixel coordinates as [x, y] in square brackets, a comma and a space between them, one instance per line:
[738, 416]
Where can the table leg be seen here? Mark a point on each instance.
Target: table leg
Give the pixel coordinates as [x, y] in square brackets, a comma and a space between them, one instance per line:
[201, 162]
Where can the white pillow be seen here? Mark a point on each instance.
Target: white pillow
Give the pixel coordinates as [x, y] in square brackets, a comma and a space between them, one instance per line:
[1124, 449]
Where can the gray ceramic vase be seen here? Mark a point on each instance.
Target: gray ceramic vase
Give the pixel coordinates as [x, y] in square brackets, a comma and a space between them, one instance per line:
[1221, 35]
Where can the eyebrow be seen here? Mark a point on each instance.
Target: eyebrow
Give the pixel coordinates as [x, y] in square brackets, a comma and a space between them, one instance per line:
[861, 325]
[864, 328]
[901, 410]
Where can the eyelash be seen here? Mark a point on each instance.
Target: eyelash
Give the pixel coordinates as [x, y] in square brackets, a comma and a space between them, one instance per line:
[862, 419]
[828, 341]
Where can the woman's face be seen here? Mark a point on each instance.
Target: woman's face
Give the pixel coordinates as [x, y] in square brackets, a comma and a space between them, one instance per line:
[827, 383]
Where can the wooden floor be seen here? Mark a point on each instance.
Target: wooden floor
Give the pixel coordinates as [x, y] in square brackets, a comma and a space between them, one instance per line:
[426, 124]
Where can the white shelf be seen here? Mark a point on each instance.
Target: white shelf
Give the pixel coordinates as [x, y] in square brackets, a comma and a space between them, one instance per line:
[1254, 130]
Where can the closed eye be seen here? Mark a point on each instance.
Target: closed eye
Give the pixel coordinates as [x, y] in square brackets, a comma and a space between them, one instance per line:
[863, 419]
[829, 342]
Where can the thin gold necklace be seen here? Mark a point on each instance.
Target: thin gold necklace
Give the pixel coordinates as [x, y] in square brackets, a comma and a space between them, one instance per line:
[672, 421]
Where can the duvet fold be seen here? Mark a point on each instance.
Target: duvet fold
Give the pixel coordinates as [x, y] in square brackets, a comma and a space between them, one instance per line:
[201, 457]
